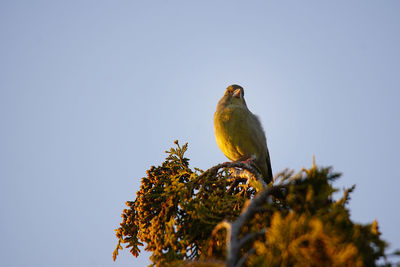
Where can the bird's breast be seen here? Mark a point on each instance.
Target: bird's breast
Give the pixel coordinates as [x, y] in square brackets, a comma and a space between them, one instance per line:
[225, 115]
[227, 128]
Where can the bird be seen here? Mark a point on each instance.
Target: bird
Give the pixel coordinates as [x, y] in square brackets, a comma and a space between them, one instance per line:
[239, 133]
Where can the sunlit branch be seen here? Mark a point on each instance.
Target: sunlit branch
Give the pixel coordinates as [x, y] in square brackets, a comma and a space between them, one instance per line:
[236, 164]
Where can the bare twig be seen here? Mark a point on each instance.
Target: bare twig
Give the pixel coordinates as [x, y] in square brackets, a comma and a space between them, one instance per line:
[235, 244]
[243, 259]
[251, 236]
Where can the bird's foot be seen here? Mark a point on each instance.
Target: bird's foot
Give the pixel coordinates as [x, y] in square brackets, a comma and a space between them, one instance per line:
[249, 161]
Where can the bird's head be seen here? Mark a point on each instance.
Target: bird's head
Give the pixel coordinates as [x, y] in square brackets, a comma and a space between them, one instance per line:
[234, 95]
[235, 91]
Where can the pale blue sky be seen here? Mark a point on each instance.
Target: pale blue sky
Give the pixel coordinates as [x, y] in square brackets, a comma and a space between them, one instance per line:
[93, 92]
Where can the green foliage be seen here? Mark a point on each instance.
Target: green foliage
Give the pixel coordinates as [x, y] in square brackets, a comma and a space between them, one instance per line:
[178, 208]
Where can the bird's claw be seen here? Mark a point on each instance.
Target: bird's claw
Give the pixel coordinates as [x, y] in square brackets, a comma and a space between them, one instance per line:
[249, 161]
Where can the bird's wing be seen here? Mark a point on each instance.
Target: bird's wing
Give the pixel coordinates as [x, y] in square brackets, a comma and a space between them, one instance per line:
[261, 136]
[269, 166]
[253, 143]
[250, 137]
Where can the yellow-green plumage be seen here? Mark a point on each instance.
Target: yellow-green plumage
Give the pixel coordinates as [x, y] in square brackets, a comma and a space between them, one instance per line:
[239, 133]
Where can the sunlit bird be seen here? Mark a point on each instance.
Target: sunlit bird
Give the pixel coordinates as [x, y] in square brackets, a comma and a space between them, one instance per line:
[239, 133]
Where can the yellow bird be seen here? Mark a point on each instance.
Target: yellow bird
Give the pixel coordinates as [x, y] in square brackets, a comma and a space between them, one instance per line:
[239, 133]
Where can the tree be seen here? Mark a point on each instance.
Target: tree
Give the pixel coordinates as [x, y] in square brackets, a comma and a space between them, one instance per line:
[219, 218]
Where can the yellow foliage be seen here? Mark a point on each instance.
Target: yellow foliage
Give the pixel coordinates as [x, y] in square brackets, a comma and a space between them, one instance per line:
[300, 240]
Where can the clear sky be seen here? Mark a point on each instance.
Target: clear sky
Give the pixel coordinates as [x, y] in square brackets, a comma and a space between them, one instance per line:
[93, 92]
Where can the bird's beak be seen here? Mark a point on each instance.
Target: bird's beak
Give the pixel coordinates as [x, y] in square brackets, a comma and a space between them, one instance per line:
[237, 93]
